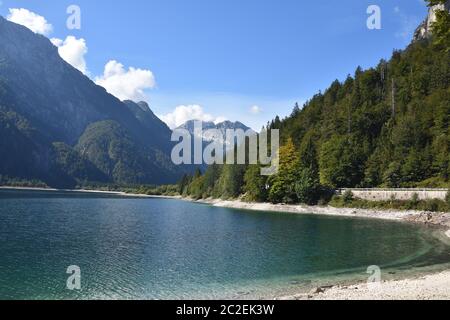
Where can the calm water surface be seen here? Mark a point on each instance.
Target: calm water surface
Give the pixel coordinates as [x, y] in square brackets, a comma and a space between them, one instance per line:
[167, 249]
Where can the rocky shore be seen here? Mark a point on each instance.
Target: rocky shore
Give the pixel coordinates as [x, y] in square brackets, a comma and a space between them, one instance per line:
[441, 220]
[430, 287]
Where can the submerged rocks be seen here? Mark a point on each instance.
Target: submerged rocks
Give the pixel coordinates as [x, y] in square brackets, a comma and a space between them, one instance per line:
[431, 219]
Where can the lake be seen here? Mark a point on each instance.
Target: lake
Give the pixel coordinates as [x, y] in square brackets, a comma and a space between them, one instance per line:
[144, 248]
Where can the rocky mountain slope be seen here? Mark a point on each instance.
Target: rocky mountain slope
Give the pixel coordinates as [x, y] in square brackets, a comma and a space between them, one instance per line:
[59, 127]
[222, 127]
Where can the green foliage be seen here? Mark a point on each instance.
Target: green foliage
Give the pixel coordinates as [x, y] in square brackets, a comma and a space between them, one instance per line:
[283, 183]
[351, 136]
[341, 163]
[435, 2]
[435, 206]
[110, 147]
[361, 142]
[70, 162]
[183, 184]
[308, 188]
[441, 28]
[164, 190]
[196, 188]
[413, 203]
[348, 197]
[18, 150]
[15, 182]
[424, 205]
[392, 176]
[415, 199]
[255, 187]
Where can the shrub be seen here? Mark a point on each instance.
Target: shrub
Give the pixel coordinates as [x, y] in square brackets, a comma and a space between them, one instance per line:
[393, 198]
[414, 202]
[432, 205]
[348, 197]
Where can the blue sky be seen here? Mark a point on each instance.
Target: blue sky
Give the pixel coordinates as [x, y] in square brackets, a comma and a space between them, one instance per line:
[228, 56]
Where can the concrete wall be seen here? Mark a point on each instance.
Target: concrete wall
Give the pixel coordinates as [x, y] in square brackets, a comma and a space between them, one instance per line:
[398, 194]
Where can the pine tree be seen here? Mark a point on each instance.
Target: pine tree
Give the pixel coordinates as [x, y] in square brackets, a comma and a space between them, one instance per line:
[342, 162]
[255, 187]
[296, 110]
[184, 182]
[308, 188]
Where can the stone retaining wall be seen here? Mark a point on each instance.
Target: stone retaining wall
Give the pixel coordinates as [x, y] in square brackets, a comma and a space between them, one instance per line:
[398, 194]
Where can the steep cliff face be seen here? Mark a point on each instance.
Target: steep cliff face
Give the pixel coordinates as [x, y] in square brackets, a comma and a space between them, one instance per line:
[425, 29]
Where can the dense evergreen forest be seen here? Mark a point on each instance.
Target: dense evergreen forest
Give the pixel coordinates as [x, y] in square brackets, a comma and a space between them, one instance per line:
[382, 127]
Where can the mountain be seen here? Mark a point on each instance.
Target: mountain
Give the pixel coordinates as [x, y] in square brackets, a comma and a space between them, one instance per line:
[59, 127]
[222, 127]
[425, 29]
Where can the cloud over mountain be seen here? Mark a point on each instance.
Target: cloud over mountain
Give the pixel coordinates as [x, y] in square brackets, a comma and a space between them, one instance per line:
[126, 84]
[31, 20]
[73, 50]
[184, 113]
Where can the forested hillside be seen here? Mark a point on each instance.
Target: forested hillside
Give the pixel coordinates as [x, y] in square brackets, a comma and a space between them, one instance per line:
[382, 127]
[58, 128]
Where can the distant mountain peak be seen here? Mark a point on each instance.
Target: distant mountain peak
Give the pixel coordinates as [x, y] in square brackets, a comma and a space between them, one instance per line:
[222, 127]
[141, 104]
[207, 125]
[233, 125]
[144, 105]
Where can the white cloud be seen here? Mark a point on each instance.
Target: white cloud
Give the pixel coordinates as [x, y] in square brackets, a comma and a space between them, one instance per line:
[126, 84]
[73, 51]
[220, 120]
[255, 109]
[182, 114]
[31, 20]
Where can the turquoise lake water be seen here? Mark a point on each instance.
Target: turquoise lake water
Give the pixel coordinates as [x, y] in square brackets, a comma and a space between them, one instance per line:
[131, 248]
